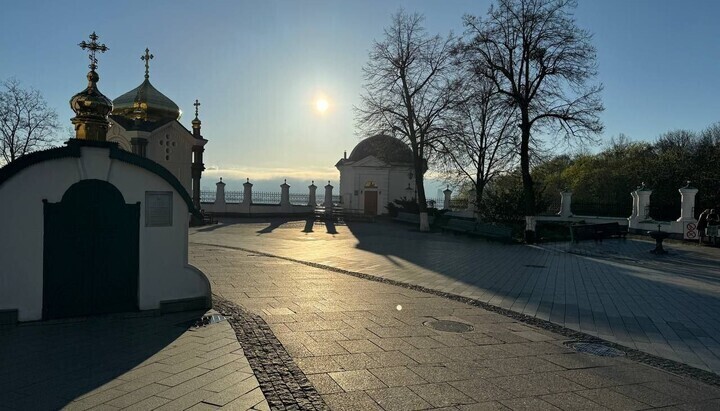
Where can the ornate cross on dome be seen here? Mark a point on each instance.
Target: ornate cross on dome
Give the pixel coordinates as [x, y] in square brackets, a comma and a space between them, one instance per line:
[146, 58]
[93, 46]
[196, 104]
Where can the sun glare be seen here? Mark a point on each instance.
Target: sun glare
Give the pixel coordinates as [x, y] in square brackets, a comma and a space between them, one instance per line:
[321, 105]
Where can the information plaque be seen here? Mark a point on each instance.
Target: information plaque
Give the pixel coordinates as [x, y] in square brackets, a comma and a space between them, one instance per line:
[158, 208]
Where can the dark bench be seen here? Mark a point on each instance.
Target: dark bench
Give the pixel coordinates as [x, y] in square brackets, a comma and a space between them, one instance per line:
[459, 226]
[412, 218]
[596, 232]
[491, 231]
[208, 218]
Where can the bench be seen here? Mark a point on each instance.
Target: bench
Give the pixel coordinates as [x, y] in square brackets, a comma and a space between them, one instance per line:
[208, 218]
[459, 226]
[596, 232]
[412, 218]
[491, 231]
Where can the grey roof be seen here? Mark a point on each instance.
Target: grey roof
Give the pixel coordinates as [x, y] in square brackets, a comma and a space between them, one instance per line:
[383, 147]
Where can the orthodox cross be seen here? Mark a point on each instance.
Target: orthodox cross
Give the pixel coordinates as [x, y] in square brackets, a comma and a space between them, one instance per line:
[93, 46]
[196, 104]
[146, 58]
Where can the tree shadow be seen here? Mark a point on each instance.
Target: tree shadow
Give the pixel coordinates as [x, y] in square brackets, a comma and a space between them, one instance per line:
[46, 365]
[274, 223]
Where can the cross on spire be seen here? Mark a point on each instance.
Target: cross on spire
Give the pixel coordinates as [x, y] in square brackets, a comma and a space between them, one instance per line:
[196, 104]
[93, 47]
[146, 58]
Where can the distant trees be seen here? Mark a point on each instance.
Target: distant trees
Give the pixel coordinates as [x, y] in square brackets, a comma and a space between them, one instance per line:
[408, 89]
[27, 124]
[541, 62]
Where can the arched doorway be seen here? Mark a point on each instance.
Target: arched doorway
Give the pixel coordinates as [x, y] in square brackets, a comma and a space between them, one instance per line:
[91, 252]
[371, 198]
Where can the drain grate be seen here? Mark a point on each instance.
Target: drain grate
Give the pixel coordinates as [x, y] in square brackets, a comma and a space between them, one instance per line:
[596, 349]
[449, 326]
[535, 266]
[203, 321]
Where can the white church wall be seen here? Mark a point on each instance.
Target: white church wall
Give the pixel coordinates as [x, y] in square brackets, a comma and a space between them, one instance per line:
[164, 272]
[171, 147]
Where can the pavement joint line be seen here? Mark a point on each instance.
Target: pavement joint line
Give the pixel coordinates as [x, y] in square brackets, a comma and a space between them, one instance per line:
[664, 364]
[281, 381]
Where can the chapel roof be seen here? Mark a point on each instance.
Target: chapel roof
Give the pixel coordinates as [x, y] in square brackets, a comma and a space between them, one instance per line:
[383, 147]
[147, 103]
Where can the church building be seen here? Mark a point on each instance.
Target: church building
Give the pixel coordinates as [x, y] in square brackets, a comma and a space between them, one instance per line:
[378, 171]
[91, 228]
[145, 122]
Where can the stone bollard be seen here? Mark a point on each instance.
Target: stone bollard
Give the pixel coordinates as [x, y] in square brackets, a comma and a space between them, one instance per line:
[312, 188]
[643, 202]
[687, 212]
[472, 199]
[446, 201]
[247, 192]
[219, 206]
[565, 204]
[328, 203]
[285, 194]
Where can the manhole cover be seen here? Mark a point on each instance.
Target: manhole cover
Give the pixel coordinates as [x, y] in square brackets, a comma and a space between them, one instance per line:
[203, 321]
[535, 266]
[596, 349]
[449, 326]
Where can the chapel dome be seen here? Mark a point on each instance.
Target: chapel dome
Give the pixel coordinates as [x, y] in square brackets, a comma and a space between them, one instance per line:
[147, 103]
[383, 147]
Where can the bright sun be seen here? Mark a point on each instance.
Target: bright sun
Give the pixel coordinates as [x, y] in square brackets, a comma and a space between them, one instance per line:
[321, 105]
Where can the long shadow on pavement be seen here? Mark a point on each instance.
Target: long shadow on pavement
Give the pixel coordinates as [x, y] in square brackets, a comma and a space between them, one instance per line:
[47, 365]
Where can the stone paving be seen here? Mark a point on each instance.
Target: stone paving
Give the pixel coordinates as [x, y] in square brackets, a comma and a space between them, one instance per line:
[125, 362]
[665, 306]
[365, 345]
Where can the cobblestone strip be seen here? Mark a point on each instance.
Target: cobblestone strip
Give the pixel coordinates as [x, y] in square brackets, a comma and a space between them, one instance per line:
[282, 382]
[636, 355]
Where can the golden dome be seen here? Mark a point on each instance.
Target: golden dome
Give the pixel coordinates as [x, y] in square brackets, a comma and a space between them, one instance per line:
[145, 102]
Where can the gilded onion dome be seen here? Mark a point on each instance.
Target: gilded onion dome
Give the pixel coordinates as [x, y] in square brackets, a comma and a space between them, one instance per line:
[145, 102]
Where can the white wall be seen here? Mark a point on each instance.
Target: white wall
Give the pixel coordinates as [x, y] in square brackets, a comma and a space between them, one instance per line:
[164, 270]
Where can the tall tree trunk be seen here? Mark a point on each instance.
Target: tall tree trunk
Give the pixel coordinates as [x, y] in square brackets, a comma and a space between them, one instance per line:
[528, 191]
[422, 203]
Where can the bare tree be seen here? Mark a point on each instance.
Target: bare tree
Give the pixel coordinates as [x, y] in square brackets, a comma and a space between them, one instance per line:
[481, 141]
[538, 58]
[27, 124]
[408, 88]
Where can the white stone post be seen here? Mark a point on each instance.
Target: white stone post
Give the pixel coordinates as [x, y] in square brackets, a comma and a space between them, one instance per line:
[220, 205]
[643, 202]
[471, 200]
[446, 201]
[565, 204]
[247, 192]
[312, 196]
[687, 219]
[328, 204]
[285, 194]
[634, 212]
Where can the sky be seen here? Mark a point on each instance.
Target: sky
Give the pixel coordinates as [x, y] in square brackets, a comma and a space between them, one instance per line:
[258, 67]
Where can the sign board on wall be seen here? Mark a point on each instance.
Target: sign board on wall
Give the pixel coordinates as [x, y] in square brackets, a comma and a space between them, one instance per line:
[158, 208]
[690, 232]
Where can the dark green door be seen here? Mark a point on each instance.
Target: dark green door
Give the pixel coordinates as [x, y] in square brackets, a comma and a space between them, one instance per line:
[91, 252]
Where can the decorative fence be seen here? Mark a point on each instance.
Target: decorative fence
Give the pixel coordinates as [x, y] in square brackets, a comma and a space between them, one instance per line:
[265, 197]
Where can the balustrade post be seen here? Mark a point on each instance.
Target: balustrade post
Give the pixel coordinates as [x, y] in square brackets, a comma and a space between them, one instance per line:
[312, 188]
[446, 201]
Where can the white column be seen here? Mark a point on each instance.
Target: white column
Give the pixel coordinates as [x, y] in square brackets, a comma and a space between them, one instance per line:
[247, 192]
[312, 196]
[471, 199]
[328, 198]
[565, 204]
[687, 202]
[687, 221]
[285, 194]
[220, 193]
[643, 203]
[446, 201]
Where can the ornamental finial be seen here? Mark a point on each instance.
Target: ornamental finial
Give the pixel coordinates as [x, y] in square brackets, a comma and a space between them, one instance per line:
[197, 105]
[93, 47]
[146, 58]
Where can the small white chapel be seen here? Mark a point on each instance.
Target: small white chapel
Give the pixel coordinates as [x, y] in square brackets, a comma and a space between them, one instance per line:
[378, 171]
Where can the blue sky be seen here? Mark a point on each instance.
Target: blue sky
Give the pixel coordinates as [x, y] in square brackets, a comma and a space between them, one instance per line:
[257, 67]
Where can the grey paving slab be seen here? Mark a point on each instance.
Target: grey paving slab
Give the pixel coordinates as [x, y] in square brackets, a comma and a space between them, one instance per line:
[500, 364]
[123, 362]
[615, 290]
